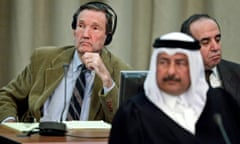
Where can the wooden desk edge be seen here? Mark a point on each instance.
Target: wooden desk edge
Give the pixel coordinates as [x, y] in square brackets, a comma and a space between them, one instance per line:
[85, 136]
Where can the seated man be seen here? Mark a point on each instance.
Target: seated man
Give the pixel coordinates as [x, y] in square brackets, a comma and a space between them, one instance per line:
[56, 86]
[176, 106]
[207, 31]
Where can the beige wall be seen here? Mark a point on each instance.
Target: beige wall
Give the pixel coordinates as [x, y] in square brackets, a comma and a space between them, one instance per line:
[27, 24]
[5, 50]
[227, 14]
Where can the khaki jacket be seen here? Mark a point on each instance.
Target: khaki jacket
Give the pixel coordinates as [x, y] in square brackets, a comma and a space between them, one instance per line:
[24, 96]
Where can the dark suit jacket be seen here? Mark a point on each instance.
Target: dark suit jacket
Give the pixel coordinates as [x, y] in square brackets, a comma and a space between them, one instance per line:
[230, 76]
[24, 96]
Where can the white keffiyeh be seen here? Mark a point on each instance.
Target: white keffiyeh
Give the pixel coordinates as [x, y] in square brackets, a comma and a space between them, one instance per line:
[193, 99]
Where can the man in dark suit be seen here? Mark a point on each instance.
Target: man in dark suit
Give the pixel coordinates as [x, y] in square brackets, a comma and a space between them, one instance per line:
[44, 89]
[177, 106]
[225, 74]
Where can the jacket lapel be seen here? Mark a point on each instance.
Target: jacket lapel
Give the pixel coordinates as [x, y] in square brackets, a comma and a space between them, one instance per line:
[54, 73]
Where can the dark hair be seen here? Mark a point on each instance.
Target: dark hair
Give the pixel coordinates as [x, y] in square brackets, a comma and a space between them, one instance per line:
[111, 17]
[185, 27]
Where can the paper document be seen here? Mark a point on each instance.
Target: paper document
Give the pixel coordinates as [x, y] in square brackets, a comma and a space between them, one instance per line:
[20, 126]
[87, 125]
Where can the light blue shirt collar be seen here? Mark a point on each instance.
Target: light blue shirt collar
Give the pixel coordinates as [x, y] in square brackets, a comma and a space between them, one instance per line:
[76, 61]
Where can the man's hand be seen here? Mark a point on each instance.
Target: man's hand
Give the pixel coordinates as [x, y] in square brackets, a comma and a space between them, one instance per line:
[94, 62]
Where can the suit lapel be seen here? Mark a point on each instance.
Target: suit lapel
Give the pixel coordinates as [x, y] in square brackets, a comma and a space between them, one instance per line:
[54, 73]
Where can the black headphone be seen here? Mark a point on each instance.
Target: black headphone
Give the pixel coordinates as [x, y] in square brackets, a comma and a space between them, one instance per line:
[110, 14]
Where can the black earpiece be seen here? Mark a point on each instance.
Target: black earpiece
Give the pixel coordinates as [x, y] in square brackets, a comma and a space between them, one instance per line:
[108, 39]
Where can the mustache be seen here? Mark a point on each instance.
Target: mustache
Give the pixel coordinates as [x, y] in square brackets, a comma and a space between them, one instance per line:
[171, 78]
[218, 52]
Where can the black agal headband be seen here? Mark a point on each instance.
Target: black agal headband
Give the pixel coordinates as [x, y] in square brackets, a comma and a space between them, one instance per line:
[176, 44]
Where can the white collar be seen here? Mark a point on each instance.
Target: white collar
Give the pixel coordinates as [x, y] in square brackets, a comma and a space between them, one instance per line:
[76, 61]
[171, 101]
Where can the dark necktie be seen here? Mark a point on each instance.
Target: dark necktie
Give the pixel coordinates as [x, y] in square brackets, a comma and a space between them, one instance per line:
[207, 75]
[77, 97]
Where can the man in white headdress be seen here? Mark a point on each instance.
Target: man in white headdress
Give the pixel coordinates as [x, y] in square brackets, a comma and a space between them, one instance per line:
[176, 106]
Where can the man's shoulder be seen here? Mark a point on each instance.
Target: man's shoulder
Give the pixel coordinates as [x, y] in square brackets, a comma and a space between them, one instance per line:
[135, 101]
[229, 64]
[113, 60]
[227, 68]
[139, 99]
[52, 49]
[50, 53]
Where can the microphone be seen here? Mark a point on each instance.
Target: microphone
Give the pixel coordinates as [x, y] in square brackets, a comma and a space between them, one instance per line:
[218, 120]
[51, 128]
[65, 68]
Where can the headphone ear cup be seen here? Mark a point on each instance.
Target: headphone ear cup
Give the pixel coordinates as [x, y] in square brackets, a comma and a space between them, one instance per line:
[108, 39]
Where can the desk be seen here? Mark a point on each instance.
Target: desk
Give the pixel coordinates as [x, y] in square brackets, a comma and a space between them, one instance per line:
[89, 136]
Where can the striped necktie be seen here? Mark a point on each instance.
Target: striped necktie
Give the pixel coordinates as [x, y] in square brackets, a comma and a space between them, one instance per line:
[77, 97]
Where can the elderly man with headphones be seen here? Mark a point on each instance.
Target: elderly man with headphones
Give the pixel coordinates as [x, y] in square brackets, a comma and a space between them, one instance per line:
[43, 91]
